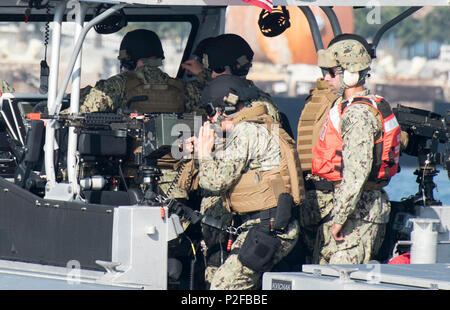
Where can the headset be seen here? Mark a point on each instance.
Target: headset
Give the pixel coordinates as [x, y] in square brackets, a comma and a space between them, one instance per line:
[351, 79]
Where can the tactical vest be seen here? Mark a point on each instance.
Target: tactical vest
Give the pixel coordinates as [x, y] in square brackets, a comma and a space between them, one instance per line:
[311, 121]
[259, 190]
[327, 161]
[154, 97]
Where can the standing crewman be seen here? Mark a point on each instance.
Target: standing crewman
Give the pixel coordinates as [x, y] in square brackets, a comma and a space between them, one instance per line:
[319, 192]
[357, 152]
[229, 54]
[226, 54]
[259, 179]
[141, 54]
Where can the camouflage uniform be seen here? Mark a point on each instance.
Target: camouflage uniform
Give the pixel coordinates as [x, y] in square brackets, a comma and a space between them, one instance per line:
[250, 146]
[5, 88]
[214, 241]
[364, 213]
[109, 95]
[212, 205]
[314, 209]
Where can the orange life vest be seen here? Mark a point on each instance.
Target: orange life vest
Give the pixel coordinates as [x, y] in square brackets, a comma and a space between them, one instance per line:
[327, 160]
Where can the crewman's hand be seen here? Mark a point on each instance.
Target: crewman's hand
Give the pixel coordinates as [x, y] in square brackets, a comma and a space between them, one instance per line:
[336, 232]
[205, 142]
[192, 66]
[190, 144]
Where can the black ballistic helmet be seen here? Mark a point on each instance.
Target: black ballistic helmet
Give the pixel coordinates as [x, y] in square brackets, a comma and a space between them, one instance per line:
[229, 50]
[201, 47]
[141, 43]
[225, 92]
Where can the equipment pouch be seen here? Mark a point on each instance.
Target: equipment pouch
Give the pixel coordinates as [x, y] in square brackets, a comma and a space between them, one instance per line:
[258, 250]
[284, 211]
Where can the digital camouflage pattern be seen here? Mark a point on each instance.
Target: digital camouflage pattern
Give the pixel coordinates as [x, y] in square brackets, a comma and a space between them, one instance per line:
[314, 209]
[204, 77]
[214, 241]
[359, 130]
[352, 203]
[232, 275]
[5, 87]
[349, 54]
[362, 240]
[250, 146]
[316, 206]
[109, 95]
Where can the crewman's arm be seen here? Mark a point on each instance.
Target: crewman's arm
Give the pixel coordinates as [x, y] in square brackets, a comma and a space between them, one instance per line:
[358, 130]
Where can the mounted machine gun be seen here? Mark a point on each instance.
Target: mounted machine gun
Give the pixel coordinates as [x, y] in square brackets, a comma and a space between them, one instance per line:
[425, 130]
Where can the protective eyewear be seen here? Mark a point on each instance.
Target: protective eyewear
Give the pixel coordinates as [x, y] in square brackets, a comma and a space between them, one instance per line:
[331, 72]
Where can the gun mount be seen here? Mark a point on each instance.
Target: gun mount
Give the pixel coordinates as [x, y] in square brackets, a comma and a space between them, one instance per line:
[425, 131]
[141, 143]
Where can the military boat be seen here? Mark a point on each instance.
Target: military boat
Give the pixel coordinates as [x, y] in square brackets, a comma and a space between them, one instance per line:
[61, 231]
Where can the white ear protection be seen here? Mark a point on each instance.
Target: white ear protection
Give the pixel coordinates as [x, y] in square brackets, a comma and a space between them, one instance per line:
[350, 79]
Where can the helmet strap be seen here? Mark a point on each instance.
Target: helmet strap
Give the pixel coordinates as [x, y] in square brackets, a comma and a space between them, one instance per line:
[343, 87]
[350, 79]
[220, 118]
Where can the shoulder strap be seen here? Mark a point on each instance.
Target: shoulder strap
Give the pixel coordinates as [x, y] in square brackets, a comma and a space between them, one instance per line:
[176, 83]
[375, 112]
[250, 114]
[132, 81]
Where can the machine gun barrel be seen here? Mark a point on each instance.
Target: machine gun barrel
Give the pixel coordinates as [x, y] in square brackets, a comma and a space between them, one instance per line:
[93, 120]
[423, 123]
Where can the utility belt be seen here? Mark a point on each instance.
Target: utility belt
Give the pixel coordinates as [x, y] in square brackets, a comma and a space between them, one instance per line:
[327, 186]
[267, 217]
[321, 185]
[273, 220]
[261, 243]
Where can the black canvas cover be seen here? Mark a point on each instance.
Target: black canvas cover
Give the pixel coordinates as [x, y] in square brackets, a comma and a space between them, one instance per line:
[53, 232]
